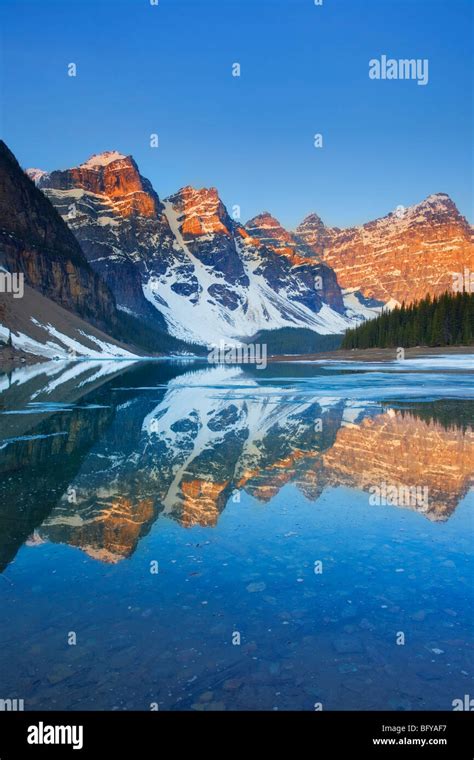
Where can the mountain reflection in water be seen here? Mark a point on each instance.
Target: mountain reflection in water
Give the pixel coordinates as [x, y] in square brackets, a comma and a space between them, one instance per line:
[99, 473]
[237, 485]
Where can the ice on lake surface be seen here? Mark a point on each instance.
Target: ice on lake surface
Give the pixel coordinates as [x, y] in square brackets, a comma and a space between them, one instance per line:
[231, 538]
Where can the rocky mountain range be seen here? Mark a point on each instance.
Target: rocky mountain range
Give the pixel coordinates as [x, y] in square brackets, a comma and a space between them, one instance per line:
[184, 262]
[35, 242]
[65, 309]
[97, 241]
[402, 256]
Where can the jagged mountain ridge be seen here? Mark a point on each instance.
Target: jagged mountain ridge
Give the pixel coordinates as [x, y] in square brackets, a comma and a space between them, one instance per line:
[91, 198]
[184, 260]
[184, 263]
[402, 256]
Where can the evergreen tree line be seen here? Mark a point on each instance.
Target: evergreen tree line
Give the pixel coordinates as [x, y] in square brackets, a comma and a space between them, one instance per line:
[445, 320]
[452, 414]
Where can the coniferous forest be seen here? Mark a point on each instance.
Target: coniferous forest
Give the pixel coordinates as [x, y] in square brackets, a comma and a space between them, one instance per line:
[446, 320]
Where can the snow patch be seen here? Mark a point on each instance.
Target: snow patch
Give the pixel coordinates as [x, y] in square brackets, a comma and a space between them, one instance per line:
[102, 159]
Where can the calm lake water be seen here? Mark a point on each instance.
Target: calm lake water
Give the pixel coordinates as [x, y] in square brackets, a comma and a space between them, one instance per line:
[202, 538]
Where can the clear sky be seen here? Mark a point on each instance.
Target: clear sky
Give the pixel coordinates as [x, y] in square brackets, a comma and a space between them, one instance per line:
[167, 69]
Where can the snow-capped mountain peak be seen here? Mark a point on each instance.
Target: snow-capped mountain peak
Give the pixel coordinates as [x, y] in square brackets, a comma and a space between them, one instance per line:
[103, 159]
[36, 175]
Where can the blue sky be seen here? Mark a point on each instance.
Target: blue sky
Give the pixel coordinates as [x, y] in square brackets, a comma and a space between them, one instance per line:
[167, 69]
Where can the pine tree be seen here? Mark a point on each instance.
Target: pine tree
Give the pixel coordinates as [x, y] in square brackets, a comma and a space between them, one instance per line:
[444, 320]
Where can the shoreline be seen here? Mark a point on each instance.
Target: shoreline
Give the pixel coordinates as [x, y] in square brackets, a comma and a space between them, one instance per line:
[374, 354]
[11, 359]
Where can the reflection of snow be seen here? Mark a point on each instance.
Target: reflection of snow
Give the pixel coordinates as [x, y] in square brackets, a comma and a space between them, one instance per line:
[25, 374]
[435, 361]
[21, 438]
[35, 539]
[200, 409]
[105, 367]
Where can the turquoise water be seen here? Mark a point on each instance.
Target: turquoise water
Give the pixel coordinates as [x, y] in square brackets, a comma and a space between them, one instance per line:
[178, 536]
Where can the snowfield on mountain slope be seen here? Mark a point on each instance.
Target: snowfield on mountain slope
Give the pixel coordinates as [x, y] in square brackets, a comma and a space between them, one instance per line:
[207, 322]
[59, 347]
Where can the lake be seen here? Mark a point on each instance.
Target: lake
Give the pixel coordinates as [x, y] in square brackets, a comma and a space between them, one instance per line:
[179, 536]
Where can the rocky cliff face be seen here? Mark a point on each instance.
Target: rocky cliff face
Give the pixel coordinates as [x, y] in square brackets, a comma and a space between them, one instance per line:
[313, 233]
[271, 233]
[35, 241]
[118, 220]
[401, 256]
[204, 229]
[114, 176]
[304, 263]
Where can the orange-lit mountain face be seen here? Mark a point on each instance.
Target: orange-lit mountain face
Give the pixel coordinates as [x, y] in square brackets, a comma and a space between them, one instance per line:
[265, 229]
[401, 256]
[114, 176]
[313, 233]
[269, 231]
[119, 222]
[202, 212]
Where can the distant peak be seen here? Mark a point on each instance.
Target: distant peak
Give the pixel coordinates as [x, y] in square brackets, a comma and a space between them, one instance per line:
[269, 231]
[192, 198]
[436, 202]
[188, 190]
[434, 196]
[103, 159]
[36, 174]
[439, 199]
[312, 220]
[263, 220]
